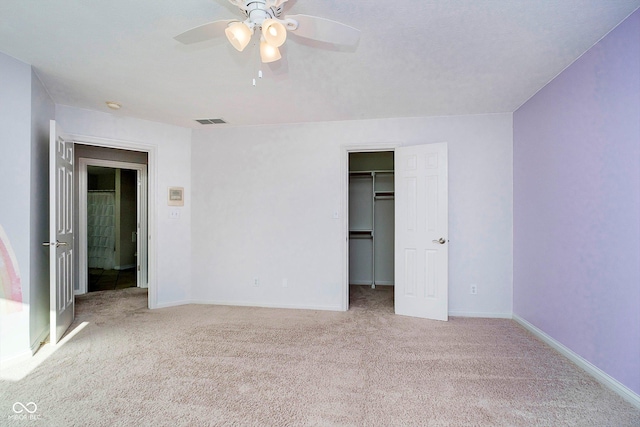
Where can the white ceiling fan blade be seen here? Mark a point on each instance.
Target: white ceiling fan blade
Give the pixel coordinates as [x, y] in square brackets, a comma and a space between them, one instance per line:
[204, 32]
[325, 30]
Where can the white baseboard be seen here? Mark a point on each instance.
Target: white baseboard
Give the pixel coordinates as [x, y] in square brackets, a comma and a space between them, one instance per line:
[27, 354]
[315, 307]
[16, 359]
[480, 314]
[172, 304]
[602, 377]
[269, 305]
[249, 304]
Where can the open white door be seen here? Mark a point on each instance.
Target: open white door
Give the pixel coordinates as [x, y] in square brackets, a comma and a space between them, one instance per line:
[60, 233]
[421, 249]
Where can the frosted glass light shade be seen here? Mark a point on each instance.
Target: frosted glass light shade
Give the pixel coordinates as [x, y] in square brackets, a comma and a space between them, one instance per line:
[269, 53]
[274, 32]
[238, 35]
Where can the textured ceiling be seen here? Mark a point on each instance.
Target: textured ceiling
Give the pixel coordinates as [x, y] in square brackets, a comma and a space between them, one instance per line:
[414, 58]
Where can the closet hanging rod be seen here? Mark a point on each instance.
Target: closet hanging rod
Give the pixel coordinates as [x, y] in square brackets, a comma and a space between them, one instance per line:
[101, 191]
[369, 172]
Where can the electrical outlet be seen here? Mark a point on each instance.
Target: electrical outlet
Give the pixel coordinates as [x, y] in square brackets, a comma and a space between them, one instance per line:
[474, 289]
[256, 282]
[285, 283]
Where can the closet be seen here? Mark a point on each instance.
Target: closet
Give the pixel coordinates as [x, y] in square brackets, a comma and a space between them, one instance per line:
[371, 218]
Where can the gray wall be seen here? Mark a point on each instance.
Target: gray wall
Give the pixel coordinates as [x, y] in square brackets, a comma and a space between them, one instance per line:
[128, 214]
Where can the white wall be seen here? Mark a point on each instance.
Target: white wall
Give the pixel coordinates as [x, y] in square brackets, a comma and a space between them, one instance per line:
[172, 168]
[15, 165]
[263, 199]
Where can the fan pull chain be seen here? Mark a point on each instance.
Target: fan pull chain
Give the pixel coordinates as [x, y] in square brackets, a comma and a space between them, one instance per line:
[258, 66]
[259, 76]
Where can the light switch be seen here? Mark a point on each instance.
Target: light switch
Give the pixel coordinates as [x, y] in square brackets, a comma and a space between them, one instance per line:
[336, 214]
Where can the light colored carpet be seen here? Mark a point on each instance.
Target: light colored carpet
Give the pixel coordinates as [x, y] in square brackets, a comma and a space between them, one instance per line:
[201, 365]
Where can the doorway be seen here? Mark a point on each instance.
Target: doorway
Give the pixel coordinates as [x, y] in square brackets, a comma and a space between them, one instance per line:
[420, 228]
[112, 225]
[371, 230]
[64, 211]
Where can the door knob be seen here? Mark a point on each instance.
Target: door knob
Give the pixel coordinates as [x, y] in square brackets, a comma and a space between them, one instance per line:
[441, 240]
[56, 244]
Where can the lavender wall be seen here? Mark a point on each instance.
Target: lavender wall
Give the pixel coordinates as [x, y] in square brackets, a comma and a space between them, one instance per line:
[577, 206]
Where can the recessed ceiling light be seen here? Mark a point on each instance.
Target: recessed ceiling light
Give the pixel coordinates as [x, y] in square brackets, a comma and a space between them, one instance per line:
[113, 105]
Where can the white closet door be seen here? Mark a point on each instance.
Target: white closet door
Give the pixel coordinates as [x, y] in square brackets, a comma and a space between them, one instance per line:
[421, 255]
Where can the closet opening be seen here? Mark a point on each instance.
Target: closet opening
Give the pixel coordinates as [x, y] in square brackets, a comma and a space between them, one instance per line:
[371, 230]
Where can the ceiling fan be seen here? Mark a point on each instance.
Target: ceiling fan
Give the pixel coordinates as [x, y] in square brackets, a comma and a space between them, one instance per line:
[265, 16]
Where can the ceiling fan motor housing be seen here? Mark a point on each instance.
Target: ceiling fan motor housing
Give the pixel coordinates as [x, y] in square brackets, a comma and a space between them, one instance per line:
[257, 11]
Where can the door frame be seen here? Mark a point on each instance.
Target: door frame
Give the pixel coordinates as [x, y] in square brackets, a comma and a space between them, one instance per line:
[141, 212]
[346, 150]
[152, 216]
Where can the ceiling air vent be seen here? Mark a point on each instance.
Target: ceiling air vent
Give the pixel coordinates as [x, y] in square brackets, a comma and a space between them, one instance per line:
[210, 121]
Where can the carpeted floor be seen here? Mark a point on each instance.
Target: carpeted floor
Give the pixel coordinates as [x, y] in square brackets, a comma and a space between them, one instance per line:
[202, 365]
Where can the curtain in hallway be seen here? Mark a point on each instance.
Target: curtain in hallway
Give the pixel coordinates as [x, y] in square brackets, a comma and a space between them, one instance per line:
[101, 232]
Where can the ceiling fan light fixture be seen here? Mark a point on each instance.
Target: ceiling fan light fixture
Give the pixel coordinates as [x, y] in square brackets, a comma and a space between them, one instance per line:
[274, 32]
[238, 35]
[269, 53]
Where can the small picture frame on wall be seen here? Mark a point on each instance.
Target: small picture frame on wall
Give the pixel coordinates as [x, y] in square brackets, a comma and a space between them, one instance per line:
[176, 196]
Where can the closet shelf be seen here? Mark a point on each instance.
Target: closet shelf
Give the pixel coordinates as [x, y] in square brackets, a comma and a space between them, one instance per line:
[384, 194]
[361, 234]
